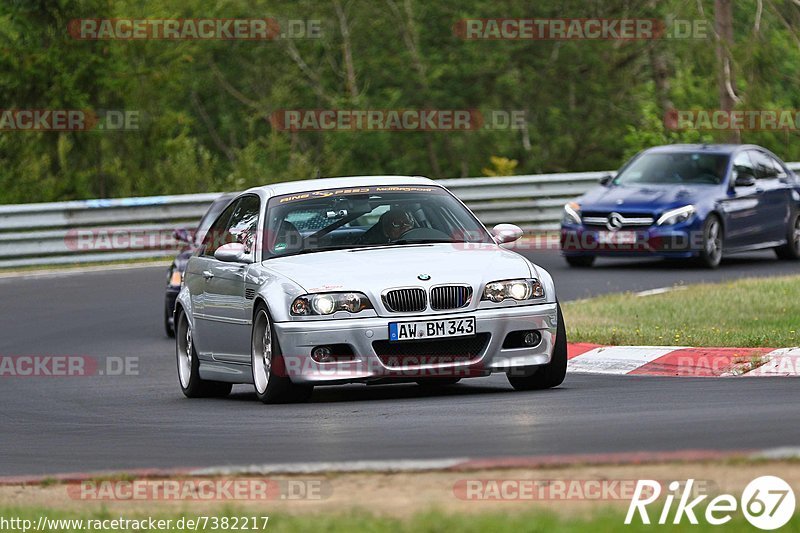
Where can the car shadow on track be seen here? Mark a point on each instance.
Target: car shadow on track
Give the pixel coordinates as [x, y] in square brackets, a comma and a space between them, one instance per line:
[401, 391]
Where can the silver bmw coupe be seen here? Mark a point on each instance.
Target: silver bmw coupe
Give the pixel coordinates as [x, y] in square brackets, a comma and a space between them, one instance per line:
[375, 279]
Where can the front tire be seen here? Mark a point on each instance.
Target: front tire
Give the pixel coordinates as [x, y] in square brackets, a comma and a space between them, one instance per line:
[791, 250]
[192, 385]
[711, 254]
[264, 354]
[544, 376]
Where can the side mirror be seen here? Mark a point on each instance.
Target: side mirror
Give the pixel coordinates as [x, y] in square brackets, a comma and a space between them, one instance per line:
[233, 252]
[505, 233]
[606, 180]
[744, 179]
[182, 235]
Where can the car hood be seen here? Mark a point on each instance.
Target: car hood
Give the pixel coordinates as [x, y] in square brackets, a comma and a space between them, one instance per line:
[643, 198]
[373, 270]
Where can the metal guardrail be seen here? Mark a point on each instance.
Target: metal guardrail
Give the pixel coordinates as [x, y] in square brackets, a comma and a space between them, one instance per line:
[141, 228]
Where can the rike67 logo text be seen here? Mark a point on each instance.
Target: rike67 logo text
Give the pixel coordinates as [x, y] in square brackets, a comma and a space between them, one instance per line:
[767, 502]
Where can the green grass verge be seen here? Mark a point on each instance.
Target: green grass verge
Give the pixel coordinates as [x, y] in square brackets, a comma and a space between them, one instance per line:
[610, 521]
[745, 313]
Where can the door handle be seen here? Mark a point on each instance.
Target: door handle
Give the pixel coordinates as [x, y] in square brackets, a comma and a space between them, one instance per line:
[208, 274]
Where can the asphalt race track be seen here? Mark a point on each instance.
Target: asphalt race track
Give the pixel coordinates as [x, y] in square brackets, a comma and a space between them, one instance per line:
[67, 424]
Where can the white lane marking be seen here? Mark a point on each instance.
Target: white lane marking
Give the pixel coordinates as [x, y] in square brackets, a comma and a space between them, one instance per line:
[782, 453]
[401, 465]
[617, 359]
[661, 290]
[781, 362]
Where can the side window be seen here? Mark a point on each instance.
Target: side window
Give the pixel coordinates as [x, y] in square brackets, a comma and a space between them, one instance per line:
[217, 232]
[742, 164]
[779, 170]
[763, 165]
[244, 221]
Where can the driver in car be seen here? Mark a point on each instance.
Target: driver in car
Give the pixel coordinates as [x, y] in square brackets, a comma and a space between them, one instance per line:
[390, 227]
[395, 222]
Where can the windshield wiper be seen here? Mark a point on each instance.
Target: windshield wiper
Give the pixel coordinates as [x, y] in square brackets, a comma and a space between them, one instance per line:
[327, 249]
[426, 241]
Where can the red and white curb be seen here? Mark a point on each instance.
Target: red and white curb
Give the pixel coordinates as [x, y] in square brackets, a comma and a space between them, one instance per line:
[683, 361]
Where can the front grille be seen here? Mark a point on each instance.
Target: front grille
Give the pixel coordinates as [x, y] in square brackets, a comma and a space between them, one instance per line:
[405, 300]
[450, 297]
[430, 352]
[591, 218]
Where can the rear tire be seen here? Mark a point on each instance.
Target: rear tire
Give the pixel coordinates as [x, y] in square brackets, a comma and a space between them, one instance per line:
[711, 254]
[169, 329]
[265, 356]
[580, 261]
[192, 385]
[544, 376]
[791, 250]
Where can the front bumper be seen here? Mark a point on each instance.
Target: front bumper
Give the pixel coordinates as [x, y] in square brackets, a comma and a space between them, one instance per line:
[677, 241]
[298, 339]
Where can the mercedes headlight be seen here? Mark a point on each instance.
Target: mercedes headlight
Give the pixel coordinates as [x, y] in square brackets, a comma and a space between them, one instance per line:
[329, 302]
[517, 289]
[572, 213]
[676, 216]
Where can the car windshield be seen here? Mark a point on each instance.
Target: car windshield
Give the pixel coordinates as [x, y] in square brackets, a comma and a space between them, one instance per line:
[677, 167]
[362, 217]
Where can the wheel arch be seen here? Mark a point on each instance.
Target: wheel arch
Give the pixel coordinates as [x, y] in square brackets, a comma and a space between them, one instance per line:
[260, 301]
[715, 212]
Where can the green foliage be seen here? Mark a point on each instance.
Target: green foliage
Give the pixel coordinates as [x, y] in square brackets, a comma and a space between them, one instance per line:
[204, 105]
[501, 166]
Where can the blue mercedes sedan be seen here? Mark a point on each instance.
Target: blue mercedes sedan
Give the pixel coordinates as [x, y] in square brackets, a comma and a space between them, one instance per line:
[695, 202]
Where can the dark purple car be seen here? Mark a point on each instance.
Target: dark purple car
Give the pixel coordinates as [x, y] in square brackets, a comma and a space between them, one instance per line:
[191, 240]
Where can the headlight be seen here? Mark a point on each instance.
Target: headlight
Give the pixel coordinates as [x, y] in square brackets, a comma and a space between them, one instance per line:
[329, 302]
[517, 289]
[175, 278]
[572, 213]
[676, 216]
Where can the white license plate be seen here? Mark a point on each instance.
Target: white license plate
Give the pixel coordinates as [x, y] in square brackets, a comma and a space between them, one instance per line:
[431, 329]
[616, 237]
